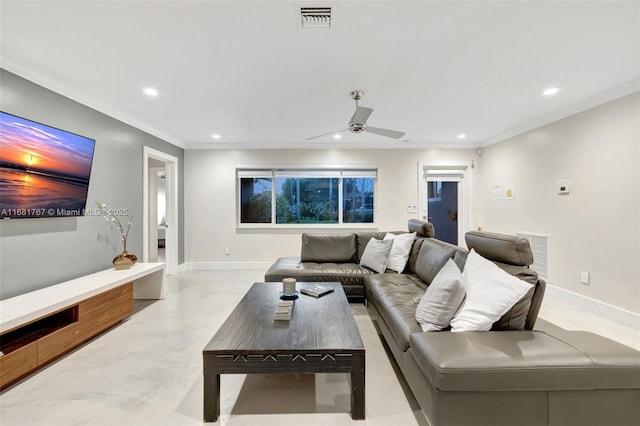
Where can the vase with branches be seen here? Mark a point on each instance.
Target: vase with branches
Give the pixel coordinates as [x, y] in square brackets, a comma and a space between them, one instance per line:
[125, 259]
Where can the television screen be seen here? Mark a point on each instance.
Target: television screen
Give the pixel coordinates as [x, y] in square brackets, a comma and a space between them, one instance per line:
[44, 171]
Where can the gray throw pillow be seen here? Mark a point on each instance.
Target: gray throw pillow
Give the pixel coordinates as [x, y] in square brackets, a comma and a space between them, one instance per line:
[442, 299]
[376, 255]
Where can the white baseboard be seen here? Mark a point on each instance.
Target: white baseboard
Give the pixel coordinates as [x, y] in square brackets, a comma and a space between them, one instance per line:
[223, 266]
[614, 313]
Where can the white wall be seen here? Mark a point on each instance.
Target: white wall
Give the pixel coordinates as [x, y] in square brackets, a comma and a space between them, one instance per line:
[210, 194]
[595, 228]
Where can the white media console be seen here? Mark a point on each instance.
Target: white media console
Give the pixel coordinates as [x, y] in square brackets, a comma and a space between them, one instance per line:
[42, 325]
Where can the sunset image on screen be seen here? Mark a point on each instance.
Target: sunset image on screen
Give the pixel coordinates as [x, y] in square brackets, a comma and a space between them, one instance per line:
[28, 144]
[42, 169]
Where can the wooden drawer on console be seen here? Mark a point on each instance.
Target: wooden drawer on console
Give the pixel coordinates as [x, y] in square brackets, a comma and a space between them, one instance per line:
[57, 343]
[110, 298]
[96, 315]
[18, 363]
[105, 310]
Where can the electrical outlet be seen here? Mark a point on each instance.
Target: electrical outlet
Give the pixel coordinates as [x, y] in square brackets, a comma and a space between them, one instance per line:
[584, 277]
[227, 251]
[564, 186]
[412, 208]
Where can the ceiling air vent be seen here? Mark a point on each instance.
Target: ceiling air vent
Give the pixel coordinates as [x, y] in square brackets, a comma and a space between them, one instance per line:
[315, 17]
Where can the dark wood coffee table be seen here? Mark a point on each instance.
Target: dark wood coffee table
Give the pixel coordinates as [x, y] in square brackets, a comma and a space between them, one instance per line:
[321, 337]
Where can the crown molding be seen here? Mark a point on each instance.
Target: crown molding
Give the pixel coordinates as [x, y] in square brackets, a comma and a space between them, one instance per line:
[28, 72]
[336, 145]
[592, 102]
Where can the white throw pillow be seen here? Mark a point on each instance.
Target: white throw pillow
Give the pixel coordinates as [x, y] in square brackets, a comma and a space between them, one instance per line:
[376, 255]
[400, 250]
[442, 299]
[491, 292]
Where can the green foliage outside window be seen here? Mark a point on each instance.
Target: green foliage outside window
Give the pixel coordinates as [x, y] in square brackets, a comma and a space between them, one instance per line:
[357, 196]
[307, 200]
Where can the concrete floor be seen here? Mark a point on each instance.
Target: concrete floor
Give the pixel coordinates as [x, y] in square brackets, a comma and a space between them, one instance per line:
[148, 370]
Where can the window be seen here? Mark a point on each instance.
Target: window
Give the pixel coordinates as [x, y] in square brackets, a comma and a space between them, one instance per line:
[313, 196]
[305, 200]
[435, 190]
[255, 199]
[357, 198]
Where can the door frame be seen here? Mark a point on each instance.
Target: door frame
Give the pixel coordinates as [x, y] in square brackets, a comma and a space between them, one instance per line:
[172, 214]
[452, 171]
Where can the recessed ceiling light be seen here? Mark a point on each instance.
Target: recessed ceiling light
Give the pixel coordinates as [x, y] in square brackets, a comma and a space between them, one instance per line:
[462, 136]
[215, 136]
[337, 136]
[551, 91]
[150, 91]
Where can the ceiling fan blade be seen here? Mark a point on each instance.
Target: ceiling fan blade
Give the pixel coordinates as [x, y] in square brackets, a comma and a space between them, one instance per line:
[385, 132]
[326, 134]
[361, 115]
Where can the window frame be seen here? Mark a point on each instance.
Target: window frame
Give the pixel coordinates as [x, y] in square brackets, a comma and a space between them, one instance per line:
[329, 171]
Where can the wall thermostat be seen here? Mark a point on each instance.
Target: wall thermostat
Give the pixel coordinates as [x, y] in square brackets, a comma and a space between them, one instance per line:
[564, 186]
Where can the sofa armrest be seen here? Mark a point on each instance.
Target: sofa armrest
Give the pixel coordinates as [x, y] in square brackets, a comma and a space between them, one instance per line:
[536, 302]
[283, 267]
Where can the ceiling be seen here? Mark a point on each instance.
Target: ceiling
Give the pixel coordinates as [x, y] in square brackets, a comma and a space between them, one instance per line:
[248, 72]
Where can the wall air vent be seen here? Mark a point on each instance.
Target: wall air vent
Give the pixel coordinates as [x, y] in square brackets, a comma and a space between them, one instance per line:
[315, 17]
[540, 248]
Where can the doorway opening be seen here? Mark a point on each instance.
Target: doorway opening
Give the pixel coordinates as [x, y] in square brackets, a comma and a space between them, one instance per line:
[442, 208]
[157, 211]
[446, 199]
[160, 209]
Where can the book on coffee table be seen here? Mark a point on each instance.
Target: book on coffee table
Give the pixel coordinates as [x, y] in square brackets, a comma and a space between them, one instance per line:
[316, 290]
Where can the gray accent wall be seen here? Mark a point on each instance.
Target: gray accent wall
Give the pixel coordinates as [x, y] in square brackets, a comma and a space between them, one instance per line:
[36, 253]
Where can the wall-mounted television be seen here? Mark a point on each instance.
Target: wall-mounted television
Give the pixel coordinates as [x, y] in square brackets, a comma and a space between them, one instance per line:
[44, 171]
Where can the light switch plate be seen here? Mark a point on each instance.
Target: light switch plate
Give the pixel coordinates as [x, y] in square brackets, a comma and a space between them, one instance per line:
[584, 277]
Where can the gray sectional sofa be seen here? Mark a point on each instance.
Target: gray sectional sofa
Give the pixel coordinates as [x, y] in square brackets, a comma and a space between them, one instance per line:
[336, 257]
[510, 375]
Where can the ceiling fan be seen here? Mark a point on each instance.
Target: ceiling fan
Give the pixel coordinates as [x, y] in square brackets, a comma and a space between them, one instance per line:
[358, 122]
